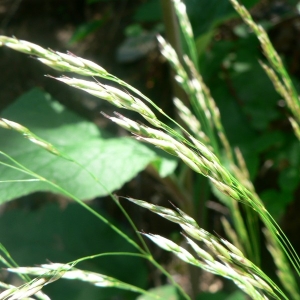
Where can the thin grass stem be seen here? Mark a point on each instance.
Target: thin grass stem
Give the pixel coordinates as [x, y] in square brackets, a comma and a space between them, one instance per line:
[80, 202]
[104, 220]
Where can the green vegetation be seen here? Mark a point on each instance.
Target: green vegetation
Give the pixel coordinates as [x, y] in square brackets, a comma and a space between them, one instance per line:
[212, 149]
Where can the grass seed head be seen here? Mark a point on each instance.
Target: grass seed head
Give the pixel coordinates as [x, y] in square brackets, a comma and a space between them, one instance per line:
[172, 247]
[198, 169]
[242, 261]
[225, 189]
[126, 123]
[164, 145]
[38, 50]
[18, 47]
[197, 234]
[204, 151]
[72, 60]
[200, 252]
[232, 248]
[220, 249]
[93, 67]
[14, 126]
[140, 107]
[124, 97]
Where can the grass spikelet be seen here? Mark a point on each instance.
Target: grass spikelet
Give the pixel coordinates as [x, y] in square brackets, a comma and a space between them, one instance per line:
[63, 62]
[51, 272]
[168, 245]
[224, 258]
[200, 252]
[24, 291]
[29, 135]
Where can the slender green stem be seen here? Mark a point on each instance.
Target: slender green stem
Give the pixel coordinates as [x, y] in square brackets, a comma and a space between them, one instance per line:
[116, 200]
[13, 167]
[163, 271]
[145, 254]
[80, 202]
[284, 242]
[131, 223]
[12, 263]
[19, 180]
[74, 262]
[252, 225]
[148, 257]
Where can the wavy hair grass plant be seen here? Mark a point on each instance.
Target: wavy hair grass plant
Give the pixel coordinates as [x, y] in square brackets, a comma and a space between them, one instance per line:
[50, 273]
[199, 150]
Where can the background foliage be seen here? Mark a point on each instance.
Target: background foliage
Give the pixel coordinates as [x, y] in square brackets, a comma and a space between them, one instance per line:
[120, 36]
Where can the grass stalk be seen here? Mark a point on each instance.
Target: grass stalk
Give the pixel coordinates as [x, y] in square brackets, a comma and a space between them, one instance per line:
[223, 258]
[104, 220]
[69, 195]
[201, 156]
[49, 273]
[283, 84]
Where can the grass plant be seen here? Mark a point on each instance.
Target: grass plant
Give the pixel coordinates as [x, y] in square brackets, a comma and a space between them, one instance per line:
[199, 144]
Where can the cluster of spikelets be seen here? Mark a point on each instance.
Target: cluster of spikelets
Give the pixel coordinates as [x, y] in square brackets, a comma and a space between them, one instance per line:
[216, 255]
[194, 153]
[197, 156]
[48, 273]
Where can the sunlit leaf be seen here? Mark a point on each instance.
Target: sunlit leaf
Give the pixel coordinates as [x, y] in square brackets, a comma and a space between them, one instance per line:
[113, 161]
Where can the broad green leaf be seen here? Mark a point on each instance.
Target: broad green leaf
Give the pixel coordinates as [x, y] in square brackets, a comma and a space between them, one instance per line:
[164, 164]
[63, 235]
[238, 295]
[222, 296]
[166, 292]
[114, 161]
[83, 30]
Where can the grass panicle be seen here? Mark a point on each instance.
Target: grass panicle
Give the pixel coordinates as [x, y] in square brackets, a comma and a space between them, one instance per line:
[220, 256]
[48, 273]
[198, 161]
[206, 125]
[144, 253]
[24, 291]
[10, 288]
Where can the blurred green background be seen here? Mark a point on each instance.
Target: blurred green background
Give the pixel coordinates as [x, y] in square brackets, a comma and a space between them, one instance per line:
[38, 225]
